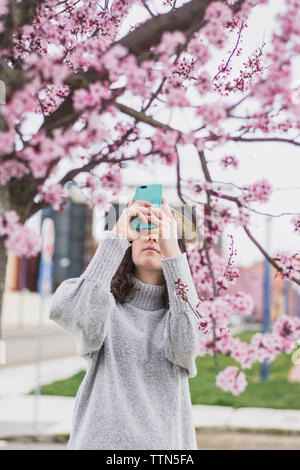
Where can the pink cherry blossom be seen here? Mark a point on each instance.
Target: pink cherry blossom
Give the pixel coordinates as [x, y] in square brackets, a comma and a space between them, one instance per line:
[89, 99]
[112, 180]
[169, 41]
[243, 217]
[54, 194]
[212, 114]
[289, 264]
[197, 48]
[232, 380]
[204, 83]
[165, 141]
[11, 169]
[177, 97]
[258, 191]
[7, 140]
[215, 35]
[9, 221]
[217, 12]
[296, 221]
[229, 160]
[24, 242]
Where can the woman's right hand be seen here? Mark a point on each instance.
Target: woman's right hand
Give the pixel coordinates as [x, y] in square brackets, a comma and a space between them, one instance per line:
[137, 208]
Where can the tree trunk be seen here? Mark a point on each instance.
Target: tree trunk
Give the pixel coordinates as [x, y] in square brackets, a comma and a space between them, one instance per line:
[3, 263]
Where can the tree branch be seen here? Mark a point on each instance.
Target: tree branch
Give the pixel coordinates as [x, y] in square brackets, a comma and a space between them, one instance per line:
[266, 139]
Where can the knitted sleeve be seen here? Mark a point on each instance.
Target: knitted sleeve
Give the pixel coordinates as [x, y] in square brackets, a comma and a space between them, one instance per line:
[181, 335]
[83, 305]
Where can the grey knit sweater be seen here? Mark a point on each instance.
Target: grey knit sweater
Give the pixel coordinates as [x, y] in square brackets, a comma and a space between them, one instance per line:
[135, 393]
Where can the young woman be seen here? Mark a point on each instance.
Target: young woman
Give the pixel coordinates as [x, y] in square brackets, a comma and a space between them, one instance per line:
[140, 339]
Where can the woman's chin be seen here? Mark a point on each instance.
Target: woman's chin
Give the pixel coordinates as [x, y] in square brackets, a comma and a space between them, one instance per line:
[151, 261]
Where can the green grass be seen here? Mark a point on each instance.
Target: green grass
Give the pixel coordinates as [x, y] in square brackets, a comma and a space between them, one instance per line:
[276, 392]
[66, 387]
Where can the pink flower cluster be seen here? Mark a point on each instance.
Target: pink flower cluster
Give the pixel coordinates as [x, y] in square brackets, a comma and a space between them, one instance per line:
[240, 303]
[250, 74]
[53, 69]
[258, 191]
[169, 42]
[12, 169]
[43, 150]
[289, 264]
[232, 380]
[112, 180]
[204, 83]
[177, 97]
[217, 12]
[3, 11]
[164, 141]
[212, 114]
[242, 218]
[137, 77]
[267, 346]
[23, 101]
[229, 160]
[197, 48]
[97, 197]
[91, 98]
[111, 61]
[200, 269]
[53, 194]
[296, 221]
[19, 239]
[219, 310]
[217, 16]
[7, 141]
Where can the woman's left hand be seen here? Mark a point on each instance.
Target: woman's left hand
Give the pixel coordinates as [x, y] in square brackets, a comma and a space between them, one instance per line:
[166, 229]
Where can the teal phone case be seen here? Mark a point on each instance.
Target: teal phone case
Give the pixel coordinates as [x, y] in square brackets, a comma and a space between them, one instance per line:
[151, 193]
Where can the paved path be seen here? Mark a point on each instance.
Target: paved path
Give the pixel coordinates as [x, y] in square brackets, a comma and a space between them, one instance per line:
[22, 345]
[17, 445]
[15, 381]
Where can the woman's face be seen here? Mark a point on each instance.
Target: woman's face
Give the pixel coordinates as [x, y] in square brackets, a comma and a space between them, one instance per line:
[146, 251]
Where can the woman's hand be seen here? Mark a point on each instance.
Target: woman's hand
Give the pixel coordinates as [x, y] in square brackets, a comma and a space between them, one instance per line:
[137, 208]
[166, 228]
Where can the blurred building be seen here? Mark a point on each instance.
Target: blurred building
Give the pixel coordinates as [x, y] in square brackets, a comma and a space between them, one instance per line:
[74, 246]
[251, 282]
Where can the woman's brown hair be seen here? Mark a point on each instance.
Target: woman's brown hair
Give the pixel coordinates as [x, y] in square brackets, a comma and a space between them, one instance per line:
[122, 286]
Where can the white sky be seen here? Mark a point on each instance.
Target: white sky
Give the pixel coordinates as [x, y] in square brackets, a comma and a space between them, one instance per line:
[279, 162]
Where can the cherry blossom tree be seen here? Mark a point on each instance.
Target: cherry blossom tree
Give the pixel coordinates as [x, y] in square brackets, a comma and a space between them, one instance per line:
[62, 61]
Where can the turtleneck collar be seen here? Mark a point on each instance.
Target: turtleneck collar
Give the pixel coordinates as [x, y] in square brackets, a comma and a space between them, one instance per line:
[147, 296]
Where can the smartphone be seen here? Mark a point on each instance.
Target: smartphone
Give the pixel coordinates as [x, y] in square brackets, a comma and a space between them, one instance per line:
[151, 193]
